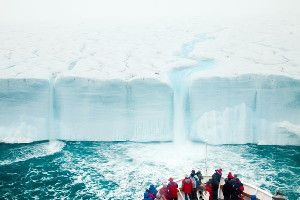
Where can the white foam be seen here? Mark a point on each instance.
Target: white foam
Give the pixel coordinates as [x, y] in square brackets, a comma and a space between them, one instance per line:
[33, 151]
[22, 133]
[155, 163]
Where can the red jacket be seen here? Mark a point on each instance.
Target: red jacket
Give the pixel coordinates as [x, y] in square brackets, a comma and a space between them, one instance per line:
[172, 188]
[187, 186]
[209, 189]
[164, 193]
[241, 188]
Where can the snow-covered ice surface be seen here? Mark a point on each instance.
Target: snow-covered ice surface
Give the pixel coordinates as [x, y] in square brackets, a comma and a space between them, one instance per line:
[234, 81]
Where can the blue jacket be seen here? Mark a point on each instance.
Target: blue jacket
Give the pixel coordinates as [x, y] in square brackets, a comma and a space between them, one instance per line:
[146, 196]
[153, 190]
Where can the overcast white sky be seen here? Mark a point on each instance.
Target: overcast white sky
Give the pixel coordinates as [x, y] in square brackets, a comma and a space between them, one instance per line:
[31, 10]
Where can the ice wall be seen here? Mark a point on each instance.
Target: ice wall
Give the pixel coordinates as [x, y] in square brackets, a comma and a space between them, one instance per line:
[112, 110]
[151, 110]
[245, 109]
[24, 110]
[220, 110]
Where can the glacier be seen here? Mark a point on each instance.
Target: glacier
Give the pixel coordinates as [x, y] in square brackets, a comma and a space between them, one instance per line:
[245, 109]
[217, 110]
[114, 110]
[157, 80]
[24, 105]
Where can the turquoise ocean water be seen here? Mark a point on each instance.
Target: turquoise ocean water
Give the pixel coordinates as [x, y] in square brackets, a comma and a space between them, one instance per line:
[122, 170]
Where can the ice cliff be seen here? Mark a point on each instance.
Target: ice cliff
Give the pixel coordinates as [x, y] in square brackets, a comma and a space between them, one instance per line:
[154, 81]
[245, 109]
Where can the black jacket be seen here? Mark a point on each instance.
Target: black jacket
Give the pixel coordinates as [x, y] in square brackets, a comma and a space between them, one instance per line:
[216, 178]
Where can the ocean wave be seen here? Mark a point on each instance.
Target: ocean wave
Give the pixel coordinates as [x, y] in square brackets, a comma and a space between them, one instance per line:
[32, 151]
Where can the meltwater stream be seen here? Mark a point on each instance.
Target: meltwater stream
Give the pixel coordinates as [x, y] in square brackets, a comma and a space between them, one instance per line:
[122, 170]
[180, 80]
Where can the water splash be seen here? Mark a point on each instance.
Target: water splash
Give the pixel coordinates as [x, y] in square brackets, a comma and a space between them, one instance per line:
[25, 153]
[121, 171]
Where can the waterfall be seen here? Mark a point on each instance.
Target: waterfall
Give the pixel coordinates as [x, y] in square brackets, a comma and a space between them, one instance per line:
[51, 119]
[180, 78]
[178, 82]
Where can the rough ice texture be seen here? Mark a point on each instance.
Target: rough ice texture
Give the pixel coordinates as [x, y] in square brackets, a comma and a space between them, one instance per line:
[113, 110]
[127, 49]
[107, 80]
[24, 110]
[245, 109]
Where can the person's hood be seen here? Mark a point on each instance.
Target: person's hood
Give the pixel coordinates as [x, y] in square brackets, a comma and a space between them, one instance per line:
[152, 186]
[187, 180]
[230, 176]
[219, 171]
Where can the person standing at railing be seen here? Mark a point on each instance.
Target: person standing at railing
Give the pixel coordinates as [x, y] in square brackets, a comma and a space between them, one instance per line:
[163, 193]
[199, 184]
[187, 187]
[227, 186]
[216, 178]
[194, 179]
[153, 190]
[148, 195]
[209, 189]
[172, 189]
[237, 190]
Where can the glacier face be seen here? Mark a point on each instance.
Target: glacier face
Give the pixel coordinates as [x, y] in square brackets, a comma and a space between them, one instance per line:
[114, 110]
[24, 110]
[219, 110]
[245, 109]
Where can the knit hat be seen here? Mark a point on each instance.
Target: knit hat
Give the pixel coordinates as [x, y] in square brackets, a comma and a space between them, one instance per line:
[230, 176]
[219, 171]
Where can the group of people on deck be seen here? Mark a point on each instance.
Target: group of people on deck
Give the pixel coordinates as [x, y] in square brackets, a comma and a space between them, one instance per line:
[192, 186]
[232, 189]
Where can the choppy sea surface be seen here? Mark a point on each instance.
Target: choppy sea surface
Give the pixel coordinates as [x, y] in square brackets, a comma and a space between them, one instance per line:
[122, 170]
